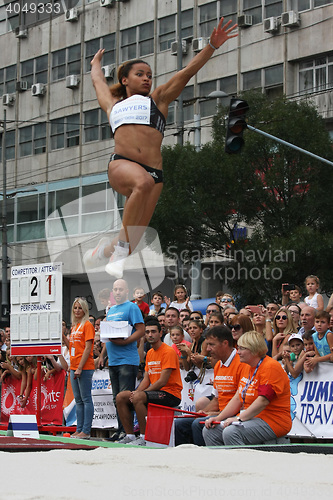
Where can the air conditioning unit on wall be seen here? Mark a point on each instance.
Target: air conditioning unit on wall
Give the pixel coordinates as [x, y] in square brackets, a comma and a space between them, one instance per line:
[72, 15]
[21, 32]
[38, 89]
[244, 21]
[290, 19]
[72, 81]
[199, 43]
[21, 85]
[107, 3]
[8, 99]
[109, 71]
[174, 48]
[271, 25]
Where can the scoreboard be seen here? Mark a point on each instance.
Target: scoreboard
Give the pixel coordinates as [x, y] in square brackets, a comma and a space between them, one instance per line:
[36, 309]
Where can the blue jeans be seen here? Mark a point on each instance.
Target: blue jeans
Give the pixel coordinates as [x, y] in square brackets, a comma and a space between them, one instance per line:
[123, 378]
[84, 404]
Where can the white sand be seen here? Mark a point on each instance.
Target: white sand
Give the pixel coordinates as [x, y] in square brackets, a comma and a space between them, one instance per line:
[186, 472]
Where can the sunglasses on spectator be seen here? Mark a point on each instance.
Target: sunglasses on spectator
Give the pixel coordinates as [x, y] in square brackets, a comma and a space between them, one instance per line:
[196, 317]
[281, 317]
[209, 311]
[236, 327]
[226, 300]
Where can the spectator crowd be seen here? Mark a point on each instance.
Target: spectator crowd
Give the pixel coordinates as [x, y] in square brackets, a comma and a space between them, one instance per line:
[251, 354]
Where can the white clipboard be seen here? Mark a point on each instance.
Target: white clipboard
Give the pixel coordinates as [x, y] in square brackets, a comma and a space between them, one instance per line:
[114, 330]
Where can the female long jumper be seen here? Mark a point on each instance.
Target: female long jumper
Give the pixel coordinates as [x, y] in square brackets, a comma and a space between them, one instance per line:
[137, 117]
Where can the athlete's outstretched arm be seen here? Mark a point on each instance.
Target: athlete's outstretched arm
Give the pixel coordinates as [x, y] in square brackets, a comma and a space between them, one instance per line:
[102, 89]
[169, 91]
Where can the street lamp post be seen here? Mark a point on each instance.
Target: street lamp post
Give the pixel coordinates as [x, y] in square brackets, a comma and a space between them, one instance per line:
[196, 264]
[4, 285]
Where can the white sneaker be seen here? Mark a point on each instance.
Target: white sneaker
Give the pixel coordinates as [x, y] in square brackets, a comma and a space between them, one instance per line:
[115, 267]
[95, 257]
[139, 441]
[126, 440]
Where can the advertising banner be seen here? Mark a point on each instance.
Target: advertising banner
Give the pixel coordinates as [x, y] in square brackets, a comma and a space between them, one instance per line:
[52, 396]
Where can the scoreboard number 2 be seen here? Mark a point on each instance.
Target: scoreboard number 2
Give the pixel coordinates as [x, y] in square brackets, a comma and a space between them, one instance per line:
[34, 289]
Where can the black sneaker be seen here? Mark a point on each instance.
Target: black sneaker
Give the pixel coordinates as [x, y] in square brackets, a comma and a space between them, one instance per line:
[115, 436]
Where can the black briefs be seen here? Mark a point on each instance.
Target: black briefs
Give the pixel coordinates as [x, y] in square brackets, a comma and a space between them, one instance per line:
[156, 174]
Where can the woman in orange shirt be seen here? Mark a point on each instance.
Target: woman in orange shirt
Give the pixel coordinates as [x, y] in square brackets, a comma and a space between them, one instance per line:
[260, 409]
[81, 345]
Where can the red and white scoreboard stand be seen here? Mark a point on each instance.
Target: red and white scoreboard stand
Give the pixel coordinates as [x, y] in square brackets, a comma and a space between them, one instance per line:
[36, 309]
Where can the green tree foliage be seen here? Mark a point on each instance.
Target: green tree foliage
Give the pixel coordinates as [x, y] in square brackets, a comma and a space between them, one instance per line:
[281, 194]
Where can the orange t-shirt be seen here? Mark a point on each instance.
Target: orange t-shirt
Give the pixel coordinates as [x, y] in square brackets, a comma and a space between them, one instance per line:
[227, 379]
[272, 382]
[161, 359]
[77, 343]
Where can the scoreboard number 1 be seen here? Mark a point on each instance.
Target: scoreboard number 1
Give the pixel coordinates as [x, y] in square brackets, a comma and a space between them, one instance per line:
[50, 287]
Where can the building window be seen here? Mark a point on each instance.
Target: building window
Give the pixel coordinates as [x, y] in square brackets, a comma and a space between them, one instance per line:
[273, 81]
[108, 43]
[39, 139]
[32, 140]
[8, 80]
[167, 33]
[66, 62]
[188, 94]
[146, 39]
[273, 8]
[10, 144]
[73, 130]
[228, 9]
[105, 126]
[2, 81]
[207, 108]
[74, 60]
[316, 75]
[187, 24]
[229, 85]
[96, 126]
[92, 47]
[39, 11]
[31, 217]
[27, 72]
[57, 133]
[128, 44]
[3, 20]
[58, 65]
[207, 19]
[34, 70]
[252, 79]
[253, 8]
[300, 5]
[320, 3]
[25, 141]
[91, 125]
[41, 69]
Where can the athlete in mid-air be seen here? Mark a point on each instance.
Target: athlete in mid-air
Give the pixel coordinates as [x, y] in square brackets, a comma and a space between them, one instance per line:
[137, 117]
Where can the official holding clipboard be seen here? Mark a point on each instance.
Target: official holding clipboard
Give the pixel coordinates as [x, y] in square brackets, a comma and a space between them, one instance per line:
[123, 351]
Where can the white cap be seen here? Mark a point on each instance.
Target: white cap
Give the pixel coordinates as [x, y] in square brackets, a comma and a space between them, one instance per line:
[295, 336]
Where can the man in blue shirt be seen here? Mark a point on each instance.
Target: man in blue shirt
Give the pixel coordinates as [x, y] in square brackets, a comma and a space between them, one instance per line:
[123, 352]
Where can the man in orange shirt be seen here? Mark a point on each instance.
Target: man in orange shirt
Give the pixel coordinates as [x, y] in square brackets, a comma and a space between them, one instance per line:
[161, 384]
[228, 372]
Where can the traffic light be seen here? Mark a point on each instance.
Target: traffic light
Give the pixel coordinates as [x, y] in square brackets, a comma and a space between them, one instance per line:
[236, 125]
